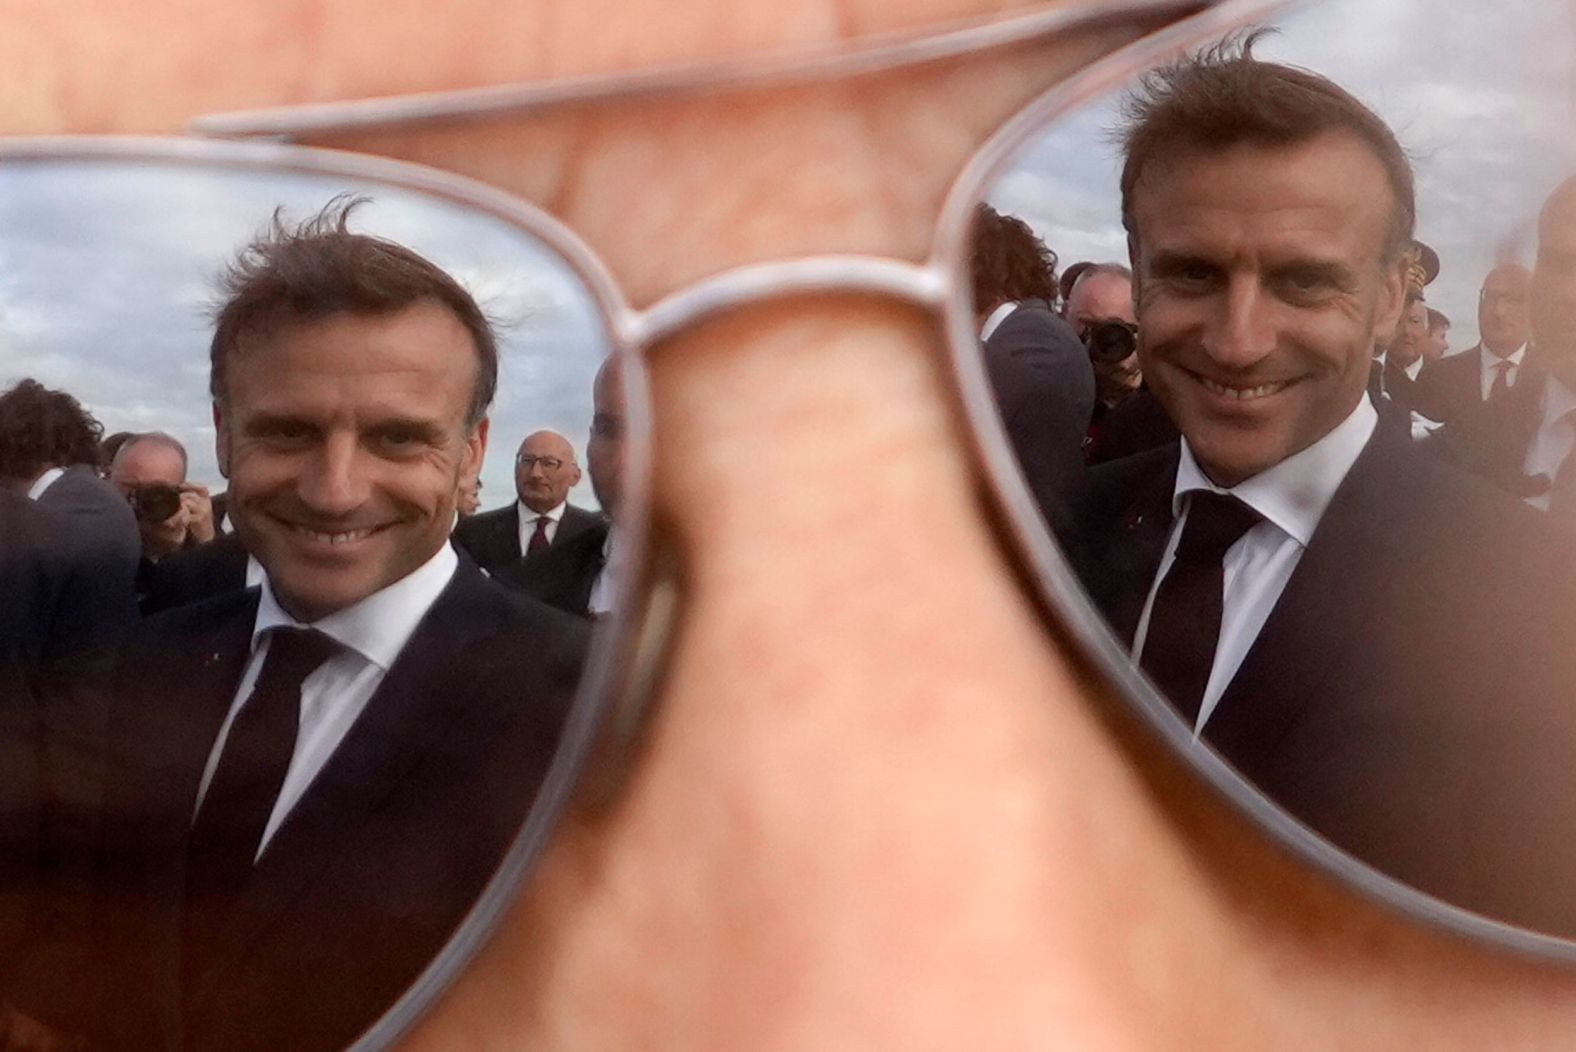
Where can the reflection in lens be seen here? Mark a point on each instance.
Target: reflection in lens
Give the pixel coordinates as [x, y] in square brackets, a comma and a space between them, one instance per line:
[1344, 557]
[277, 694]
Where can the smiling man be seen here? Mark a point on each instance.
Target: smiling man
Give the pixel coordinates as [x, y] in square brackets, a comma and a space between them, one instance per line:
[1264, 570]
[329, 766]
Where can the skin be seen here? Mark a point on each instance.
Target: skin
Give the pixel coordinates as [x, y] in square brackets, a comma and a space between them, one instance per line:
[1554, 286]
[469, 501]
[1100, 297]
[605, 447]
[1411, 334]
[1106, 297]
[921, 825]
[345, 441]
[142, 462]
[1438, 344]
[1262, 271]
[539, 487]
[1503, 309]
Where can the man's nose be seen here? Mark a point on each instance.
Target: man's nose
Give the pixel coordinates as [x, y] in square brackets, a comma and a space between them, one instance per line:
[1240, 332]
[334, 481]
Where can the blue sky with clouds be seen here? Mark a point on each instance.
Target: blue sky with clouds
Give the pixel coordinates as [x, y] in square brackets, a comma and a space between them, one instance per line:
[1480, 95]
[108, 279]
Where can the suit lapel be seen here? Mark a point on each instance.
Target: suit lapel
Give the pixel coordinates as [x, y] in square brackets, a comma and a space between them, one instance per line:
[1134, 556]
[1312, 627]
[403, 723]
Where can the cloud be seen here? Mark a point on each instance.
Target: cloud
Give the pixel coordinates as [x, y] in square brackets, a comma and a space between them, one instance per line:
[1480, 95]
[109, 273]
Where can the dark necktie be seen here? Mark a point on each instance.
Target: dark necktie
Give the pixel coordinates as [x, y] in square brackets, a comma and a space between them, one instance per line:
[1184, 623]
[1375, 381]
[538, 541]
[252, 766]
[1501, 382]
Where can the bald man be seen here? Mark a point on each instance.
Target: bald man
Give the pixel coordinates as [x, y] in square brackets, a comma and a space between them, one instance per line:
[544, 472]
[1458, 383]
[1522, 435]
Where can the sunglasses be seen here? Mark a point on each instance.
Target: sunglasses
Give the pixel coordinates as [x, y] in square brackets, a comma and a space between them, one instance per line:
[566, 287]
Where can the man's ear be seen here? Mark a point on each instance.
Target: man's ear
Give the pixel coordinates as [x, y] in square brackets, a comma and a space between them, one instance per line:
[1392, 300]
[221, 441]
[475, 449]
[1135, 263]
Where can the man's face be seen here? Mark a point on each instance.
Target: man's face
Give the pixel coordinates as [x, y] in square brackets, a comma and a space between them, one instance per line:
[345, 442]
[1411, 334]
[1262, 288]
[1504, 309]
[147, 463]
[605, 450]
[542, 484]
[1438, 343]
[1100, 297]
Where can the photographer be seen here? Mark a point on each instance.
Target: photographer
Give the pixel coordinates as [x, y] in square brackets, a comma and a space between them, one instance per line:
[150, 470]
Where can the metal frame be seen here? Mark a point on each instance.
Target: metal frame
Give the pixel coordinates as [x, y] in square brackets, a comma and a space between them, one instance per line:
[939, 284]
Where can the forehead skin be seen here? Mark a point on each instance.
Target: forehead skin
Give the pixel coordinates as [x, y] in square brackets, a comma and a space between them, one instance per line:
[1102, 295]
[548, 444]
[1266, 219]
[1508, 278]
[145, 461]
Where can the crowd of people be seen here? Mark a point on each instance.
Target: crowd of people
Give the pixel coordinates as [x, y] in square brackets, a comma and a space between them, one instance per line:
[264, 749]
[1342, 554]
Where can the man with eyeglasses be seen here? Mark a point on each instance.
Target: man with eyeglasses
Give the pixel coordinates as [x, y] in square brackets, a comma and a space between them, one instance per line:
[1264, 571]
[544, 473]
[1456, 384]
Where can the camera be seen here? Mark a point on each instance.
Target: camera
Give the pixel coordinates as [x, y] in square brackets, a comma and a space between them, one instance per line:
[1111, 341]
[155, 501]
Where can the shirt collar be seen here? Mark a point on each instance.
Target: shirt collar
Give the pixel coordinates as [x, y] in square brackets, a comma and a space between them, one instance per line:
[994, 319]
[554, 514]
[1294, 493]
[43, 482]
[378, 626]
[1412, 370]
[1490, 359]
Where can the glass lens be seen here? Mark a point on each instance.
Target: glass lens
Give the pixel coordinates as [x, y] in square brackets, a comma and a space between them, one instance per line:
[1322, 495]
[288, 643]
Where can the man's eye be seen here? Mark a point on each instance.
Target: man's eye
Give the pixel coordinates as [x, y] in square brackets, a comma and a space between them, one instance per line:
[285, 431]
[399, 439]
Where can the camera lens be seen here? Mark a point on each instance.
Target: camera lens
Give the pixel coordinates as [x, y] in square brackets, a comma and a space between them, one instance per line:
[155, 502]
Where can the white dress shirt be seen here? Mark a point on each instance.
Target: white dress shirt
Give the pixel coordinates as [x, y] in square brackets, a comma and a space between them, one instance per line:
[994, 319]
[43, 482]
[1555, 438]
[1291, 496]
[528, 523]
[1489, 363]
[601, 601]
[371, 634]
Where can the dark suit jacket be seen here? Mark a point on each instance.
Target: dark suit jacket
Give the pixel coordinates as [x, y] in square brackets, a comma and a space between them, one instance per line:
[492, 538]
[378, 862]
[564, 574]
[1044, 386]
[1453, 385]
[1491, 439]
[97, 522]
[195, 574]
[1136, 423]
[61, 618]
[1409, 696]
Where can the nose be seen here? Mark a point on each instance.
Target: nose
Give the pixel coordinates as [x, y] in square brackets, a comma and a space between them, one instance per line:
[333, 482]
[1240, 331]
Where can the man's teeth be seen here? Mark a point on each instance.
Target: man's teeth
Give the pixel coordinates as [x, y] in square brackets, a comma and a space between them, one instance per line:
[1243, 394]
[334, 538]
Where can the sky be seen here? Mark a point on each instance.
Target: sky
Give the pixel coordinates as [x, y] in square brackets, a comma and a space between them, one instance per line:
[1479, 94]
[109, 279]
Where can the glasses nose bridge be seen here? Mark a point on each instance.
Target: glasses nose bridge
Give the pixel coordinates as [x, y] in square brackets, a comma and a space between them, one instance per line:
[917, 284]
